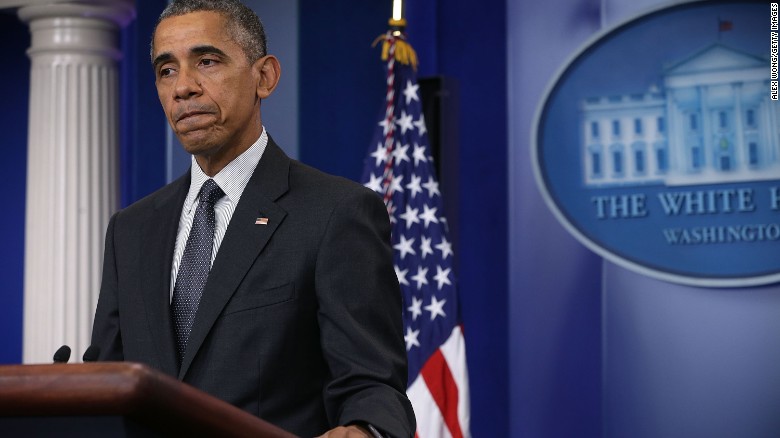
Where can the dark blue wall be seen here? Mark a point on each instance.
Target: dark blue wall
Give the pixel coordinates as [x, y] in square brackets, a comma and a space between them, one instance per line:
[341, 82]
[14, 40]
[143, 125]
[466, 31]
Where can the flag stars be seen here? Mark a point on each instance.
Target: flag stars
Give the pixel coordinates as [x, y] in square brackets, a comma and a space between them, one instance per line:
[410, 216]
[405, 247]
[421, 277]
[411, 338]
[404, 122]
[425, 246]
[395, 184]
[429, 215]
[380, 154]
[399, 165]
[445, 247]
[399, 154]
[375, 183]
[432, 186]
[401, 274]
[415, 308]
[414, 186]
[410, 92]
[420, 124]
[442, 277]
[418, 154]
[436, 308]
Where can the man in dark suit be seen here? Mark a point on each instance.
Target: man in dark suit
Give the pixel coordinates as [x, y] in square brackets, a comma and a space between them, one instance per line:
[291, 309]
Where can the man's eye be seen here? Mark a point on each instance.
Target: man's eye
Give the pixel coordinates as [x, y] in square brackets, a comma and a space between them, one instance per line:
[207, 62]
[165, 72]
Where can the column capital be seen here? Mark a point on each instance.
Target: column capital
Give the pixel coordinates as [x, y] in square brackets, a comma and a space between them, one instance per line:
[87, 28]
[119, 12]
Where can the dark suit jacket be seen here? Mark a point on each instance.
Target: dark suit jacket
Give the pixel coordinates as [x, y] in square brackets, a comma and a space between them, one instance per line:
[300, 320]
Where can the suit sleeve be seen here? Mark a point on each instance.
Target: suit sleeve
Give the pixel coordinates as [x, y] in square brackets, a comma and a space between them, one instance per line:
[106, 332]
[360, 319]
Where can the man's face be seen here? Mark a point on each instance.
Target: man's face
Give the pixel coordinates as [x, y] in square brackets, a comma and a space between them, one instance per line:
[206, 85]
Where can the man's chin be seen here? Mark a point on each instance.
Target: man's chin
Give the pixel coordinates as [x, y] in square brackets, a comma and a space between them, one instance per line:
[197, 142]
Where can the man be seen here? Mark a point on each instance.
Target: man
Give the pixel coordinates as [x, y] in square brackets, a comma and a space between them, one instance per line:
[253, 277]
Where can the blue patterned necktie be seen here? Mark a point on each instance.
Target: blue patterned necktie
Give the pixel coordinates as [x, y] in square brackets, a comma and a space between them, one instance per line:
[195, 265]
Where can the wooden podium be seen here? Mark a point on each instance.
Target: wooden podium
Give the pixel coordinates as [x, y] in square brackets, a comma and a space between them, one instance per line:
[115, 399]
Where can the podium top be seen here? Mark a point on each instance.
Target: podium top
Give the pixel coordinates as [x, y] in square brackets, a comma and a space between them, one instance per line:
[125, 389]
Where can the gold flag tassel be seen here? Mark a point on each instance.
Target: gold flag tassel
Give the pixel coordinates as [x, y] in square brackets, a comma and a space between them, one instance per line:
[404, 53]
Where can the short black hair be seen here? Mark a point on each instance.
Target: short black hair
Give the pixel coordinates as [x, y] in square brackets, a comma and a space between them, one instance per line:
[243, 24]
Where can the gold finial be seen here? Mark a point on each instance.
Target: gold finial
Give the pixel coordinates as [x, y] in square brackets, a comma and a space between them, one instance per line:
[397, 23]
[403, 52]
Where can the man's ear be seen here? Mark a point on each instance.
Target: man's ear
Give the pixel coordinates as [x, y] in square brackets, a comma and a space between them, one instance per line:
[267, 71]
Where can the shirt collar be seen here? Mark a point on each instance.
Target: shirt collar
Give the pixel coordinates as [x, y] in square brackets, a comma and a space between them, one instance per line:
[233, 178]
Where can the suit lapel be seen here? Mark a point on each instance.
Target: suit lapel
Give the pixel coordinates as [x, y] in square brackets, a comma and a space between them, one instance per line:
[243, 242]
[158, 246]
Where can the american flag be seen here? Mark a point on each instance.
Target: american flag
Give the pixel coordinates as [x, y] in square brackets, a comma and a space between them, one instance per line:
[400, 167]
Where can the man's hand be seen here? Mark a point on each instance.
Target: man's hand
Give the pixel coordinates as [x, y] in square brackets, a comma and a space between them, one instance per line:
[347, 432]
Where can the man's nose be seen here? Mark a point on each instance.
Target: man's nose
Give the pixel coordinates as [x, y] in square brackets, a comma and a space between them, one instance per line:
[187, 84]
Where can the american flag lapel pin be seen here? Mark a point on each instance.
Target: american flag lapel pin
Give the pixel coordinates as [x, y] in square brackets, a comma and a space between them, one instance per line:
[261, 221]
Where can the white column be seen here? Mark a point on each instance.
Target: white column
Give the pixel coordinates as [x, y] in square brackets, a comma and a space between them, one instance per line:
[72, 175]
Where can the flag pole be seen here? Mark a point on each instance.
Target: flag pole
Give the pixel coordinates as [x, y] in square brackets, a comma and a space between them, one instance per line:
[395, 38]
[394, 49]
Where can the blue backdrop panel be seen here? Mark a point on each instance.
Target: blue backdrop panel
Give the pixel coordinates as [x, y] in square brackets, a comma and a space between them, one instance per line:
[685, 362]
[555, 284]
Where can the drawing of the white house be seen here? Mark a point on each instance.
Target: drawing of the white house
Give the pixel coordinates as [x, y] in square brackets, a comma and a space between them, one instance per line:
[712, 121]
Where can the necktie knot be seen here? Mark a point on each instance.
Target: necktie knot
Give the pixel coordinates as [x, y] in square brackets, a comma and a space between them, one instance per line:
[210, 192]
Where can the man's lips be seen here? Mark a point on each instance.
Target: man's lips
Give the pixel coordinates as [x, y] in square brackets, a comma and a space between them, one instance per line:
[188, 114]
[184, 113]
